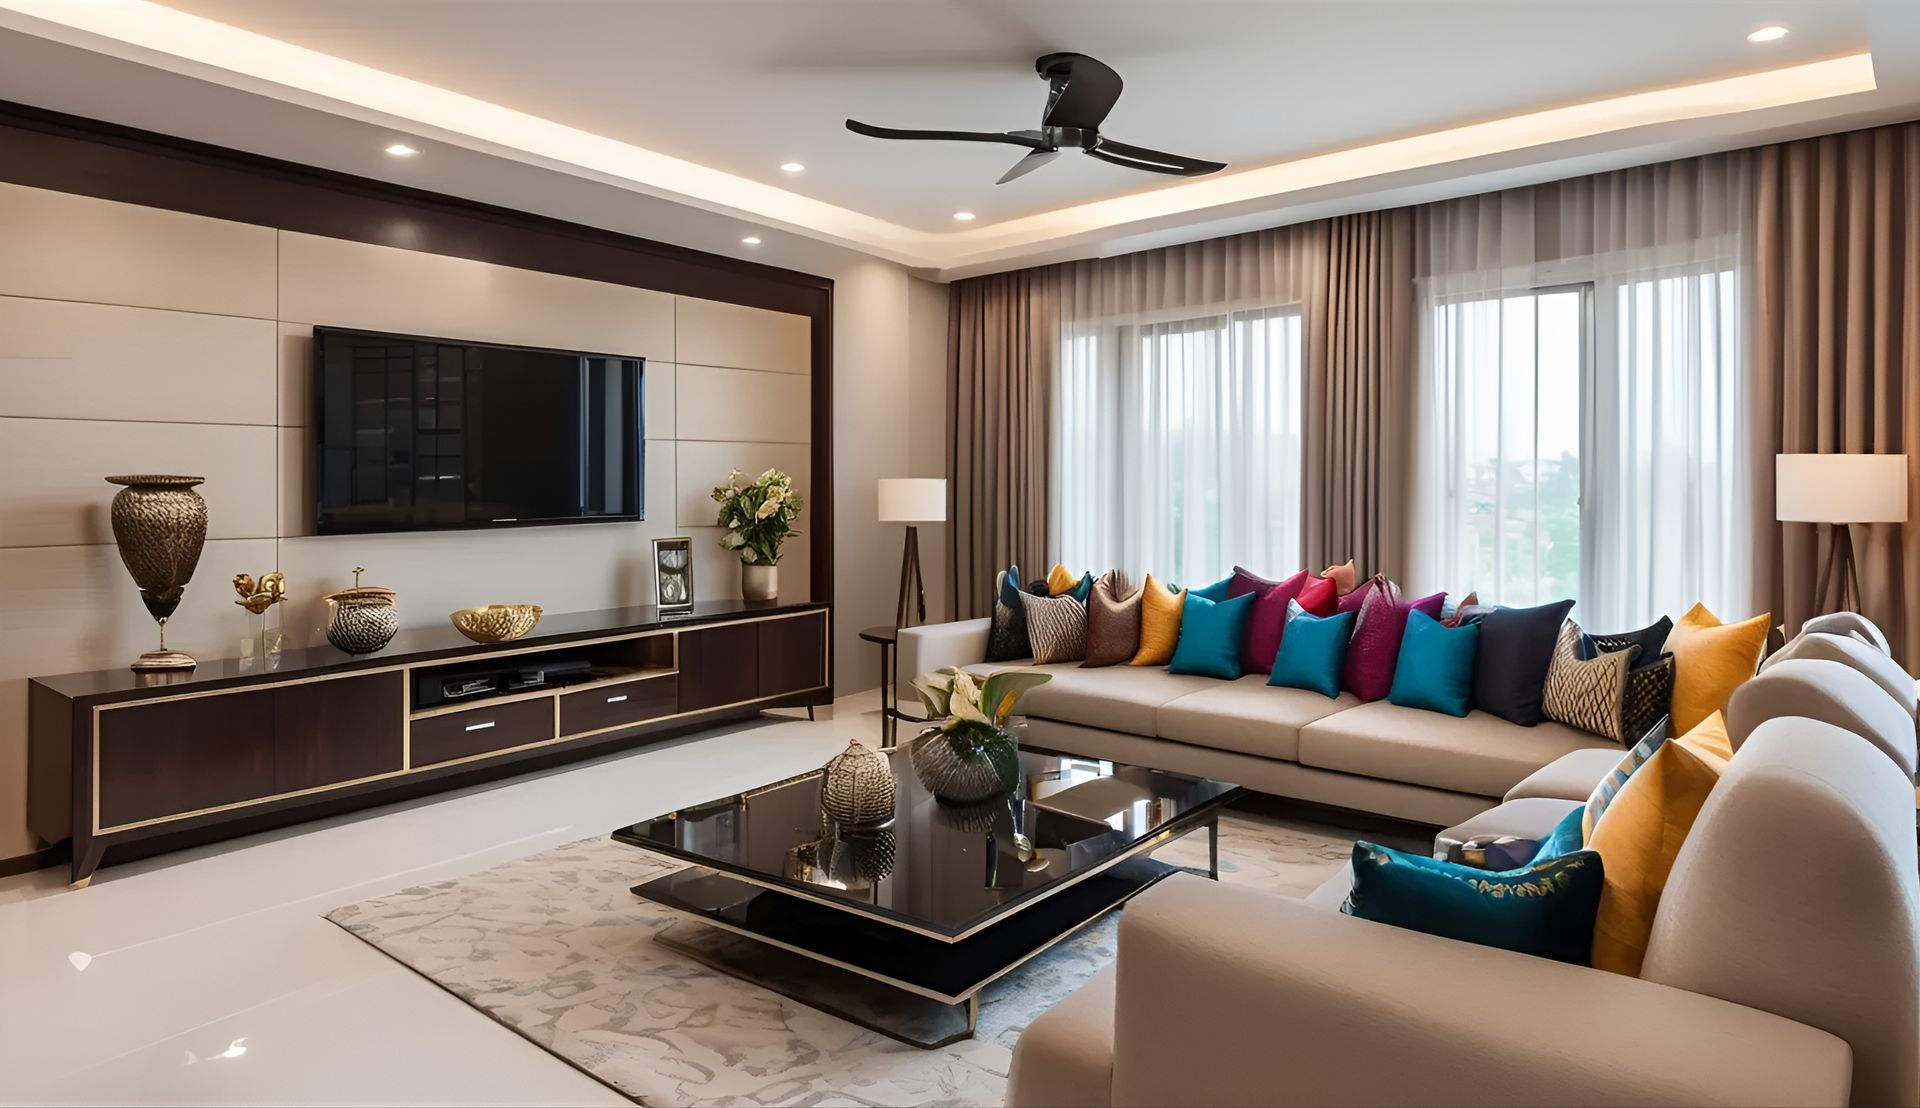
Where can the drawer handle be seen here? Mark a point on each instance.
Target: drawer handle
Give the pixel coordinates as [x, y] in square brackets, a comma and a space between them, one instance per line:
[479, 726]
[616, 699]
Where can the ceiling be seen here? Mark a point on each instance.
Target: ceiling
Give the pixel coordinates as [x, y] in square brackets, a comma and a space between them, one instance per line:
[1317, 106]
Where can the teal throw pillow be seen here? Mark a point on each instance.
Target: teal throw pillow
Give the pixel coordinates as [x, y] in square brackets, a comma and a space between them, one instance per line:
[1215, 592]
[1312, 650]
[1546, 909]
[1435, 668]
[1565, 839]
[1083, 590]
[1210, 634]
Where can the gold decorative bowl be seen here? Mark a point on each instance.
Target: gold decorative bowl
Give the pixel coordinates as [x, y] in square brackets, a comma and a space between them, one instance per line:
[496, 622]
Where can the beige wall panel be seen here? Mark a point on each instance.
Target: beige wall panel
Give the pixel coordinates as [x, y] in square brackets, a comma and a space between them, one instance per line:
[661, 387]
[380, 288]
[65, 247]
[712, 333]
[54, 494]
[94, 361]
[702, 465]
[743, 405]
[74, 608]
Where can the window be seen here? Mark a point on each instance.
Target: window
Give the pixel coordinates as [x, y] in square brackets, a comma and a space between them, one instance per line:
[1177, 444]
[1582, 441]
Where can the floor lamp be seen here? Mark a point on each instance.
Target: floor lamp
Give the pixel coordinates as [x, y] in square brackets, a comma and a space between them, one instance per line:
[1840, 490]
[912, 500]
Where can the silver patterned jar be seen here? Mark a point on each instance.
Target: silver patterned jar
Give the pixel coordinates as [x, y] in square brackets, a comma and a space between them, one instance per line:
[362, 619]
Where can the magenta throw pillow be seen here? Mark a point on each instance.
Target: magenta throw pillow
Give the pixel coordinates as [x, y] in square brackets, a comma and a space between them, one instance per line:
[1268, 622]
[1245, 581]
[1351, 601]
[1375, 645]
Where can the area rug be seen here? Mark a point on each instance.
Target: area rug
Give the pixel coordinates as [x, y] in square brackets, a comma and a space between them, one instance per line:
[555, 947]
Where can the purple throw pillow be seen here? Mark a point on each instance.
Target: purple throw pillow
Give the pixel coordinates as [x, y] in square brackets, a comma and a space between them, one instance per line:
[1245, 581]
[1268, 622]
[1375, 645]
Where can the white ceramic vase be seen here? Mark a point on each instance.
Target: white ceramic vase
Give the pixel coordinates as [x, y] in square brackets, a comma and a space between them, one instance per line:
[759, 582]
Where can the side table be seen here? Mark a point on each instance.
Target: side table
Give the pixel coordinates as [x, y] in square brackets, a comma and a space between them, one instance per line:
[888, 639]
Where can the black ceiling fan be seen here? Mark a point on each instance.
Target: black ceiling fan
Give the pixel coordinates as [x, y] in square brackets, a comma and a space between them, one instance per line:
[1080, 93]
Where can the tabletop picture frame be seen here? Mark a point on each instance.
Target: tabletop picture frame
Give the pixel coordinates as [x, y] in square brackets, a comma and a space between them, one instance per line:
[673, 574]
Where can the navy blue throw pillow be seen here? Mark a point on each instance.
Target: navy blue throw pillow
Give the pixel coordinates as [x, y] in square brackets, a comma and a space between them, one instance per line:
[1516, 647]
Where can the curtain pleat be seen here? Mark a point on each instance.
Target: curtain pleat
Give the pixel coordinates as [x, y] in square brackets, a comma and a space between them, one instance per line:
[999, 376]
[1360, 396]
[1836, 363]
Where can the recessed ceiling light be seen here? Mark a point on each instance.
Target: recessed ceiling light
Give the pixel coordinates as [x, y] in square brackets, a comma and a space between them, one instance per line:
[964, 217]
[1773, 33]
[401, 150]
[750, 240]
[792, 167]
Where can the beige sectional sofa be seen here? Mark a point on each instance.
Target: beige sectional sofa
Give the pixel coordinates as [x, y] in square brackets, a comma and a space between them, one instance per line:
[1376, 757]
[1783, 965]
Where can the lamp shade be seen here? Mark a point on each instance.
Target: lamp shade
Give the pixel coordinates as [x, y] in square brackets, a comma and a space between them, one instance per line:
[913, 499]
[1840, 488]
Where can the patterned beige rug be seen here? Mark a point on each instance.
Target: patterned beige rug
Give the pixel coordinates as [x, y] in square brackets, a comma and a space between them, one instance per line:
[555, 947]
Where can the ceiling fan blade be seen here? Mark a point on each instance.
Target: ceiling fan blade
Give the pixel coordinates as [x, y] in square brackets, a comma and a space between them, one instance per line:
[1028, 139]
[1033, 160]
[1080, 90]
[1155, 161]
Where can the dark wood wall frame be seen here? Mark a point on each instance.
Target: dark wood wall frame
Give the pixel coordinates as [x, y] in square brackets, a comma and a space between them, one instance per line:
[67, 153]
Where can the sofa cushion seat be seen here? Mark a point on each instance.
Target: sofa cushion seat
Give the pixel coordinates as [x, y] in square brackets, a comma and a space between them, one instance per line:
[1571, 776]
[1533, 817]
[1476, 753]
[1113, 698]
[1247, 716]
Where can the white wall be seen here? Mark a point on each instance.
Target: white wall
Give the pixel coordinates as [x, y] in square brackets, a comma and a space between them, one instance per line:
[134, 339]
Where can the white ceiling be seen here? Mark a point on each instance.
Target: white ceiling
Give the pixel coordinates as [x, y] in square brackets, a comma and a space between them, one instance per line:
[743, 85]
[739, 86]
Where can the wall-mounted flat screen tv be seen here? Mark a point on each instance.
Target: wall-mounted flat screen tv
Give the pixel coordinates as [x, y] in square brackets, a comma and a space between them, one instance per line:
[414, 434]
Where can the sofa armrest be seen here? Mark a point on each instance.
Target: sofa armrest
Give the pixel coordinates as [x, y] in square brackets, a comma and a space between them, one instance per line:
[925, 649]
[1227, 996]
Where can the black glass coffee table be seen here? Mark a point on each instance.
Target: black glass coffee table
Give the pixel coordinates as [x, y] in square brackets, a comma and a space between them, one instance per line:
[898, 928]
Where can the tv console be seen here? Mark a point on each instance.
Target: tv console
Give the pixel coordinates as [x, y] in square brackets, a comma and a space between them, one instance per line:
[137, 764]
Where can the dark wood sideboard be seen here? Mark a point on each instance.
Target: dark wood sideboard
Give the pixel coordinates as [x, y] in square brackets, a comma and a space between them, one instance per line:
[133, 764]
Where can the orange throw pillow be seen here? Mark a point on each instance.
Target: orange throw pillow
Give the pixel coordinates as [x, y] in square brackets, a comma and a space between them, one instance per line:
[1710, 660]
[1160, 609]
[1342, 577]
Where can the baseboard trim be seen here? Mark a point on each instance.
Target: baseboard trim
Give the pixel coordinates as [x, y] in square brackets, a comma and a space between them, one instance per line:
[39, 859]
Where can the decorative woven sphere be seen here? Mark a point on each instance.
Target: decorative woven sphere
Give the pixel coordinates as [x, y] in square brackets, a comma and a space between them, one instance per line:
[857, 788]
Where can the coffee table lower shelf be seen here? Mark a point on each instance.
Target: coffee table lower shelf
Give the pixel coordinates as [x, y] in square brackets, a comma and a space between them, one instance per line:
[912, 987]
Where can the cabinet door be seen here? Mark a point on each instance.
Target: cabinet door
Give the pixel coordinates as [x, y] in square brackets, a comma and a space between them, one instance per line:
[719, 665]
[326, 732]
[181, 756]
[793, 654]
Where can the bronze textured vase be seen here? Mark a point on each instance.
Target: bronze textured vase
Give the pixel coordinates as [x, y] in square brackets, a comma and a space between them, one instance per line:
[160, 526]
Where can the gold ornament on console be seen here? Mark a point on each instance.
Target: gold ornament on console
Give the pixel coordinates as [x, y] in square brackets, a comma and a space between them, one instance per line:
[160, 526]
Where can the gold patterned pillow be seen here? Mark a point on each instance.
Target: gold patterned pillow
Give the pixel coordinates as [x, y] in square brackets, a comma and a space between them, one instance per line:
[1587, 694]
[1056, 627]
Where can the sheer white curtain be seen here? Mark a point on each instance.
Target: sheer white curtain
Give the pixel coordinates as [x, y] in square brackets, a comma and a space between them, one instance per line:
[1177, 410]
[1581, 394]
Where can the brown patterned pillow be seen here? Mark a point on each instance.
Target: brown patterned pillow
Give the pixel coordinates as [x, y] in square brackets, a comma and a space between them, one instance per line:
[1057, 627]
[1113, 624]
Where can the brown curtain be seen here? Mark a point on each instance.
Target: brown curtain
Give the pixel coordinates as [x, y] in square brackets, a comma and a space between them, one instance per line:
[999, 388]
[1836, 354]
[1360, 396]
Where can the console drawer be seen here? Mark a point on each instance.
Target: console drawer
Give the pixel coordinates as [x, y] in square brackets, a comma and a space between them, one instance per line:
[481, 729]
[619, 704]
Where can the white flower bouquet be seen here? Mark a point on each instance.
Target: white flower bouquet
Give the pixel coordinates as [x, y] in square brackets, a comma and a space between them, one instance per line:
[758, 515]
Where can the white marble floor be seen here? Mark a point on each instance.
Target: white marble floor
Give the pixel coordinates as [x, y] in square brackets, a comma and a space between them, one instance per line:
[209, 977]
